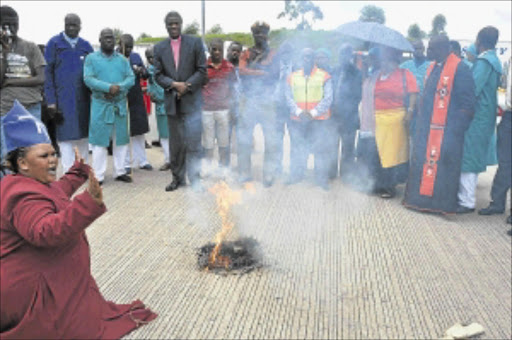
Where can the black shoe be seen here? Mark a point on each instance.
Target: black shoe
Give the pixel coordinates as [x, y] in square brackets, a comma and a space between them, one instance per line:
[128, 170]
[173, 186]
[165, 167]
[509, 219]
[268, 182]
[124, 178]
[388, 193]
[491, 210]
[146, 167]
[464, 210]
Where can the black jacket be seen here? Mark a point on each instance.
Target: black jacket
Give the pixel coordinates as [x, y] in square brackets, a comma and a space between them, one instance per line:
[347, 96]
[191, 69]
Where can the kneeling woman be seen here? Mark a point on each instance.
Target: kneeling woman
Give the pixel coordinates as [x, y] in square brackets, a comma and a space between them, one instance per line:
[47, 290]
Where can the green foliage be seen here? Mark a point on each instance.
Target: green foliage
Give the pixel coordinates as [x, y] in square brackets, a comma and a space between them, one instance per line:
[298, 39]
[117, 34]
[304, 10]
[415, 33]
[150, 40]
[143, 36]
[192, 28]
[244, 38]
[438, 25]
[216, 29]
[372, 13]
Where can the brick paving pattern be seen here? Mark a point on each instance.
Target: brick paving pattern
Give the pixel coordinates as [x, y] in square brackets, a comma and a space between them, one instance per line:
[336, 265]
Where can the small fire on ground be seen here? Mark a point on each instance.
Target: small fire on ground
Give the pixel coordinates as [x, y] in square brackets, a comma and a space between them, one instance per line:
[222, 254]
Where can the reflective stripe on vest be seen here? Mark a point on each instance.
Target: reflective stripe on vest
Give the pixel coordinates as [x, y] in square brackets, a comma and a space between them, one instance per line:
[438, 123]
[309, 91]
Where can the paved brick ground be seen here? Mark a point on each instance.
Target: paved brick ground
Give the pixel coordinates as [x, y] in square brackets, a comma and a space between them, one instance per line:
[337, 264]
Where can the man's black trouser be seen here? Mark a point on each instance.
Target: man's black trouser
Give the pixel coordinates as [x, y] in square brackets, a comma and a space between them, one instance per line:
[185, 146]
[503, 177]
[257, 111]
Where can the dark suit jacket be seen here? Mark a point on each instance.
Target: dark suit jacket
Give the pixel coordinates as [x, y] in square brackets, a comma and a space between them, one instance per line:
[191, 69]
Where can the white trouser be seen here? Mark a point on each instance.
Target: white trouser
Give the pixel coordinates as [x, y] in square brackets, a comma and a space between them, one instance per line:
[467, 189]
[164, 142]
[99, 159]
[138, 152]
[67, 152]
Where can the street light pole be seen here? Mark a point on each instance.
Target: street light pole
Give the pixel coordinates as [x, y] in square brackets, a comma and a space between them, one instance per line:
[203, 16]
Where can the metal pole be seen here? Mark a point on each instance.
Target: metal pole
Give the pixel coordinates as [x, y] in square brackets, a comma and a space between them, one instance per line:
[203, 17]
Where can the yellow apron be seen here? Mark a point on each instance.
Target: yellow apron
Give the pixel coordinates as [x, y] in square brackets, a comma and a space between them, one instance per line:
[391, 137]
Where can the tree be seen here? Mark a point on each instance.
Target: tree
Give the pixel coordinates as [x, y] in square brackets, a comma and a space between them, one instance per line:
[301, 9]
[192, 29]
[117, 34]
[438, 25]
[415, 33]
[143, 36]
[372, 13]
[215, 29]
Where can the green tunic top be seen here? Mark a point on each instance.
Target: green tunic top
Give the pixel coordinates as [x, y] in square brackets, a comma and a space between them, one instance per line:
[100, 72]
[486, 73]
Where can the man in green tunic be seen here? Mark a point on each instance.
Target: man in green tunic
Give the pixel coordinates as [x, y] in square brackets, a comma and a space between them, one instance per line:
[486, 73]
[109, 76]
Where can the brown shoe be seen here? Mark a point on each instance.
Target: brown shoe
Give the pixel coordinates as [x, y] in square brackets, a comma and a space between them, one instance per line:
[165, 167]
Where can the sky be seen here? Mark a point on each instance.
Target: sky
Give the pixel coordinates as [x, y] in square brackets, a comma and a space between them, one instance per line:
[40, 20]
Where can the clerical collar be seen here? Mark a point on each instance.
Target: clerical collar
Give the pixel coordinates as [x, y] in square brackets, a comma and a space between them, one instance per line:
[71, 41]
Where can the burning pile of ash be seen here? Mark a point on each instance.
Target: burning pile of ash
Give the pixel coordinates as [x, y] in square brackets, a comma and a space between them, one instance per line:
[241, 256]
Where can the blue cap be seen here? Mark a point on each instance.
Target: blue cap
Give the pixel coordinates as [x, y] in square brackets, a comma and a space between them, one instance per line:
[22, 129]
[472, 50]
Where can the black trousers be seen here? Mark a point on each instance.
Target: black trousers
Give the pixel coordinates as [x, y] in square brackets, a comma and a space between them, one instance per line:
[185, 145]
[503, 177]
[310, 137]
[346, 162]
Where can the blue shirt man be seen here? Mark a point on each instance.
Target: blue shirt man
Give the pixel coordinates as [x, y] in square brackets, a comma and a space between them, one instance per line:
[66, 94]
[418, 66]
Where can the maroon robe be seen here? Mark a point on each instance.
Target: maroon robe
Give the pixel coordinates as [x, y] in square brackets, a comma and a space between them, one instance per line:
[47, 290]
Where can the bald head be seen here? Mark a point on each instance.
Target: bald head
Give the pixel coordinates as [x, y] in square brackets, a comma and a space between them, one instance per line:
[438, 48]
[126, 44]
[419, 49]
[72, 17]
[308, 59]
[72, 25]
[150, 54]
[106, 32]
[345, 54]
[107, 41]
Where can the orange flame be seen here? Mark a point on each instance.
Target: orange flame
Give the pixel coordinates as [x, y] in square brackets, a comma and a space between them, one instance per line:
[249, 186]
[225, 198]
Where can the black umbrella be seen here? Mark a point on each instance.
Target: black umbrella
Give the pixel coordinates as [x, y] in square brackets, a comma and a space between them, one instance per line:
[375, 33]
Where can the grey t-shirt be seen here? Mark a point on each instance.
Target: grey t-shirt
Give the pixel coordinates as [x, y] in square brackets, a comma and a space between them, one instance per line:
[22, 62]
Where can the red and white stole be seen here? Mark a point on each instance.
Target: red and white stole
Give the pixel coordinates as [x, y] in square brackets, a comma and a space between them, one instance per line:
[438, 123]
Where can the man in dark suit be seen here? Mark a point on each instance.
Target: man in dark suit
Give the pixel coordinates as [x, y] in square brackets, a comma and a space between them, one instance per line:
[180, 68]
